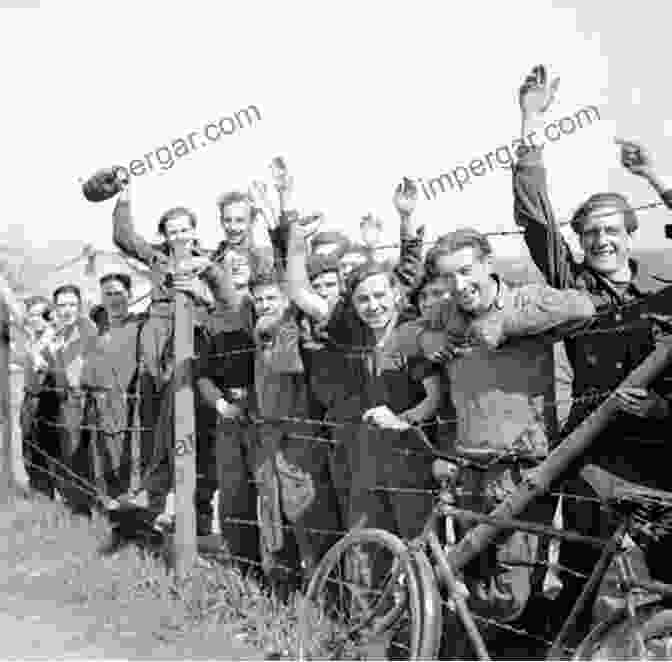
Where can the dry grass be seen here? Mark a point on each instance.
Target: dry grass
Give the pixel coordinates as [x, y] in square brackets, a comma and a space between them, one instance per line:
[50, 554]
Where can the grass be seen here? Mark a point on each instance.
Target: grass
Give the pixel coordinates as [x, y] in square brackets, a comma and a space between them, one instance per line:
[49, 553]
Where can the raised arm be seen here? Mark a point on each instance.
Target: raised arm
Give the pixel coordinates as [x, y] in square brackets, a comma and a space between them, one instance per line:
[126, 238]
[299, 288]
[637, 159]
[532, 207]
[409, 269]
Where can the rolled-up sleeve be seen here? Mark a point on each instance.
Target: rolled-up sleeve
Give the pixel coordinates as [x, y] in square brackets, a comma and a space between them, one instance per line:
[539, 308]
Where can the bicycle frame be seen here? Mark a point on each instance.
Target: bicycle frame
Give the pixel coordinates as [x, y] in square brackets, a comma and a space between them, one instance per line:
[610, 548]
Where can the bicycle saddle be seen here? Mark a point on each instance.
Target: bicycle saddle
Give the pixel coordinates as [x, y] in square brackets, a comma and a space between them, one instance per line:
[651, 510]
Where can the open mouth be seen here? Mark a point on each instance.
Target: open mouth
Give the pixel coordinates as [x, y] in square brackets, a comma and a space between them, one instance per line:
[603, 253]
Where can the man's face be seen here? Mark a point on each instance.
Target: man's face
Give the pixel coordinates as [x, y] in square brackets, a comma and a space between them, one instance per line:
[269, 300]
[67, 308]
[605, 241]
[328, 286]
[179, 232]
[349, 262]
[433, 292]
[115, 297]
[468, 276]
[375, 301]
[236, 221]
[35, 317]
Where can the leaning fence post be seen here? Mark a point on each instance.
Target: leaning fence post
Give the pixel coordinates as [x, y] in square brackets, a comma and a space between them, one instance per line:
[184, 542]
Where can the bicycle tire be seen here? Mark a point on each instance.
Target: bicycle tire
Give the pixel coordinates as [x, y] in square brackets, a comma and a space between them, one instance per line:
[615, 637]
[421, 605]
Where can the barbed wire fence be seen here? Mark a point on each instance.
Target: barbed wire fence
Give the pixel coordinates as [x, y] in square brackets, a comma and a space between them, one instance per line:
[184, 446]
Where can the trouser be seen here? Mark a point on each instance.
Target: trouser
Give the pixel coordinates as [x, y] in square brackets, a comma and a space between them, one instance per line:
[206, 469]
[76, 478]
[156, 353]
[391, 479]
[41, 448]
[583, 515]
[320, 525]
[500, 578]
[237, 493]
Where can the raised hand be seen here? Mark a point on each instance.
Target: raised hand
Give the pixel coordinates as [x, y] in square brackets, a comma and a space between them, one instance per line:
[635, 158]
[537, 94]
[258, 192]
[371, 229]
[405, 197]
[284, 182]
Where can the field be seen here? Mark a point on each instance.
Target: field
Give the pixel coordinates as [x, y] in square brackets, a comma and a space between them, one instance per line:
[63, 598]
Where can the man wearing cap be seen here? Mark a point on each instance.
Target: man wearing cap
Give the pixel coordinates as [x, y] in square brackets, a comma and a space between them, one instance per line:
[632, 446]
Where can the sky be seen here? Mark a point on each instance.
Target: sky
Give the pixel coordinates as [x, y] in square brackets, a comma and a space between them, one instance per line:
[354, 95]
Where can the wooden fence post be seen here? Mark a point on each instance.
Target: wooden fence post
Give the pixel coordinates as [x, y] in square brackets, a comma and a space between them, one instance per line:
[184, 542]
[6, 473]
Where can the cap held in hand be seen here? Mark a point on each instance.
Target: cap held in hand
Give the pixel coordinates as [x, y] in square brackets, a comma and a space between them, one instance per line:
[104, 184]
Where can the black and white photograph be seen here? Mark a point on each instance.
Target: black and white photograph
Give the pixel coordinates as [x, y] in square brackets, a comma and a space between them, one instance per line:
[336, 331]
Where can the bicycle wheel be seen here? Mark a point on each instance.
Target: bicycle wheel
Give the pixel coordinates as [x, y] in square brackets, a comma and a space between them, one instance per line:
[649, 636]
[378, 598]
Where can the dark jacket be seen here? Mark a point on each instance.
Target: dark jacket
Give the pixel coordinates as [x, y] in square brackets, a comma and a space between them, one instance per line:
[600, 361]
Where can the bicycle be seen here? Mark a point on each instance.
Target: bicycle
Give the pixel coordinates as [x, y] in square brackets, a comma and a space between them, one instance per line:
[392, 605]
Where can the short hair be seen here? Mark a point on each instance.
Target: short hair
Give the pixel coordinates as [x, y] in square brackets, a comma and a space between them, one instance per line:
[605, 201]
[124, 279]
[175, 212]
[64, 289]
[231, 198]
[452, 242]
[316, 265]
[370, 268]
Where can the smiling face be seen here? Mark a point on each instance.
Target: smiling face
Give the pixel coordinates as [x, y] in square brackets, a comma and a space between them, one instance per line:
[468, 275]
[236, 221]
[375, 300]
[179, 232]
[269, 300]
[606, 243]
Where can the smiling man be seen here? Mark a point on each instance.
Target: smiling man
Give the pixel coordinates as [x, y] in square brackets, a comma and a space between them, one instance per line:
[633, 446]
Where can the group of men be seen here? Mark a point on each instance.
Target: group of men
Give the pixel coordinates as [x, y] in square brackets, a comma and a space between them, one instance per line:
[321, 371]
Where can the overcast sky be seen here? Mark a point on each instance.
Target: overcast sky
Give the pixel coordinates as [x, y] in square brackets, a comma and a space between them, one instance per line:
[353, 94]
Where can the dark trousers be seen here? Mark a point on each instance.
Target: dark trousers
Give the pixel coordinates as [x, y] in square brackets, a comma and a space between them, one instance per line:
[237, 492]
[391, 475]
